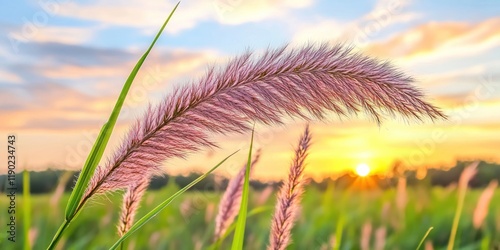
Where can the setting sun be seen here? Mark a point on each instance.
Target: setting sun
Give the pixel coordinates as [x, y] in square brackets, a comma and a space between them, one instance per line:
[363, 169]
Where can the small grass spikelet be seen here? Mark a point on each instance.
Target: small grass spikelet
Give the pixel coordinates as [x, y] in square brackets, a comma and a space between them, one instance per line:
[289, 197]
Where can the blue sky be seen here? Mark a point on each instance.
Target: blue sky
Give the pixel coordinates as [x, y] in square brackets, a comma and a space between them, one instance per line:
[207, 33]
[62, 64]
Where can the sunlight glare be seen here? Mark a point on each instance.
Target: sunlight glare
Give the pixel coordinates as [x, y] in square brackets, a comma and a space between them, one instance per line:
[363, 169]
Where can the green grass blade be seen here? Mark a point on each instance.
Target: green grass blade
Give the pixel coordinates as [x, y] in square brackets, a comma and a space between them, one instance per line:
[26, 209]
[141, 222]
[485, 242]
[87, 172]
[103, 138]
[231, 228]
[425, 237]
[239, 233]
[339, 229]
[99, 146]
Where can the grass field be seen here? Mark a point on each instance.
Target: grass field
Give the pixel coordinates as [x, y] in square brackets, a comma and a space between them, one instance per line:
[189, 222]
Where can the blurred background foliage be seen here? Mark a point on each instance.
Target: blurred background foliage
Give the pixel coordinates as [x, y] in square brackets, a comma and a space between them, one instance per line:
[372, 209]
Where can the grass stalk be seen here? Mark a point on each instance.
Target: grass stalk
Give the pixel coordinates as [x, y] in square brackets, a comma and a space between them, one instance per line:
[141, 222]
[338, 232]
[425, 237]
[216, 245]
[239, 233]
[58, 234]
[456, 220]
[75, 202]
[26, 209]
[465, 177]
[229, 204]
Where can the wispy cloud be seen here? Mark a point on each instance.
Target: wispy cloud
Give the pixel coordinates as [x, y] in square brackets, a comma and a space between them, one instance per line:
[60, 54]
[440, 40]
[56, 34]
[69, 87]
[147, 14]
[9, 78]
[48, 106]
[359, 31]
[241, 11]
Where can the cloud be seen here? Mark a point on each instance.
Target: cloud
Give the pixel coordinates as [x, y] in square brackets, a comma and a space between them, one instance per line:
[165, 67]
[149, 14]
[9, 78]
[440, 40]
[240, 11]
[96, 69]
[56, 34]
[73, 87]
[384, 14]
[451, 100]
[61, 54]
[57, 86]
[47, 106]
[34, 62]
[474, 78]
[19, 37]
[4, 53]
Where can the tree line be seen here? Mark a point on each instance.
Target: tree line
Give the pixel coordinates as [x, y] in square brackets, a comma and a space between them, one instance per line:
[46, 181]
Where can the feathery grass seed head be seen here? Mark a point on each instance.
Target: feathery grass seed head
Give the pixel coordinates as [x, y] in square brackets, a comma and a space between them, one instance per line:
[289, 197]
[307, 82]
[481, 210]
[231, 199]
[131, 201]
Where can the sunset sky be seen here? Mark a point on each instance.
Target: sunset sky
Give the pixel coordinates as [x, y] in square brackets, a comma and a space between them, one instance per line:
[63, 63]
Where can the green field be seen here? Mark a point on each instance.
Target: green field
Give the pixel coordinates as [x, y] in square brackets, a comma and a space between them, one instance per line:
[189, 222]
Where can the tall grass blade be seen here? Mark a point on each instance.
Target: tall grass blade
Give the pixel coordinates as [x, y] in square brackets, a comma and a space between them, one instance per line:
[98, 149]
[141, 222]
[26, 209]
[87, 171]
[231, 228]
[485, 243]
[95, 155]
[229, 204]
[425, 237]
[338, 232]
[239, 233]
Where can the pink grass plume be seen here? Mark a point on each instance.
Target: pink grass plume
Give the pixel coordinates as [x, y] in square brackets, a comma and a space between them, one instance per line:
[289, 196]
[306, 83]
[131, 201]
[231, 200]
[481, 210]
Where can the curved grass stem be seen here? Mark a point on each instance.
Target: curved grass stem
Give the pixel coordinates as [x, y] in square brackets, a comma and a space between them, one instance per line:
[58, 234]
